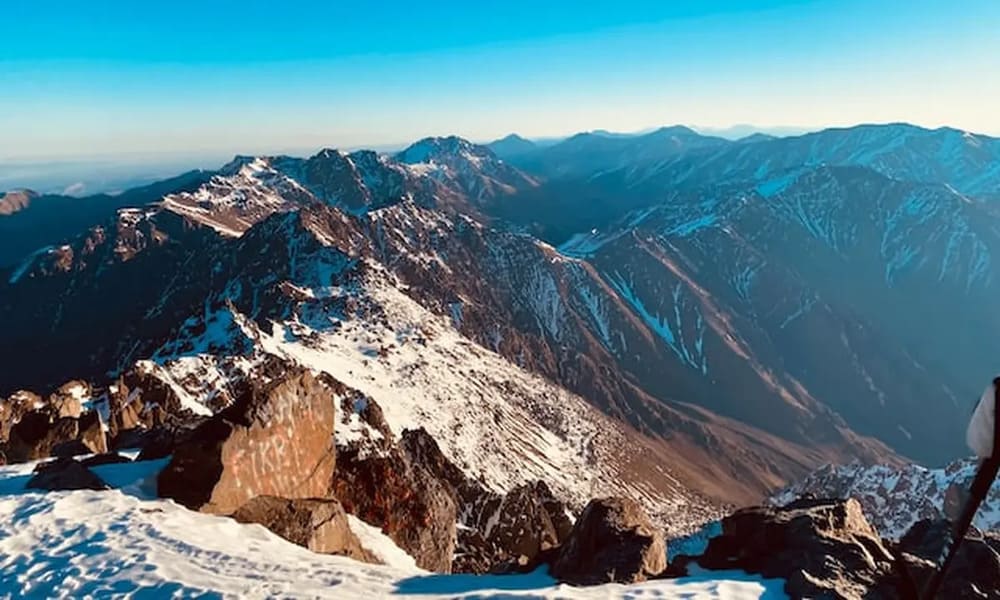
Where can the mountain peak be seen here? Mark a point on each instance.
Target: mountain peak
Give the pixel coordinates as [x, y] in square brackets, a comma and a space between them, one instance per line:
[431, 149]
[16, 200]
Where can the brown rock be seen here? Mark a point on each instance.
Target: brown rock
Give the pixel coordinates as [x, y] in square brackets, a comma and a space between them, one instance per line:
[821, 548]
[275, 440]
[14, 408]
[974, 573]
[414, 508]
[36, 435]
[65, 474]
[613, 541]
[319, 525]
[91, 432]
[65, 402]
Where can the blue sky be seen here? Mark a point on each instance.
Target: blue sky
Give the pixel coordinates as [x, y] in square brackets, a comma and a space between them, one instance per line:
[116, 77]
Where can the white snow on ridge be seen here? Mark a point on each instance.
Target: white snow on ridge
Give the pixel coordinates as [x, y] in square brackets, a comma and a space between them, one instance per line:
[119, 544]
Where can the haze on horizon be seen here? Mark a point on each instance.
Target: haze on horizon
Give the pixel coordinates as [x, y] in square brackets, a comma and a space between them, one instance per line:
[115, 78]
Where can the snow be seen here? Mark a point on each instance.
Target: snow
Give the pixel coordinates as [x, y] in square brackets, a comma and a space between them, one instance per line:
[122, 543]
[893, 499]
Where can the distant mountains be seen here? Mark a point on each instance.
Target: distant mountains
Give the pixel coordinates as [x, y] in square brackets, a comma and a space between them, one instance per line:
[751, 308]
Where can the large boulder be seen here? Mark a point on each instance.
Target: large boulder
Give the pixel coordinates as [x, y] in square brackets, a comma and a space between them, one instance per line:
[37, 434]
[412, 506]
[275, 440]
[319, 525]
[613, 541]
[974, 573]
[65, 474]
[821, 548]
[90, 438]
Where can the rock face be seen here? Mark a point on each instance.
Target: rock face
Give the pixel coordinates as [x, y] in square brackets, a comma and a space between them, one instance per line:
[613, 541]
[276, 440]
[65, 474]
[414, 508]
[821, 548]
[975, 572]
[497, 531]
[319, 525]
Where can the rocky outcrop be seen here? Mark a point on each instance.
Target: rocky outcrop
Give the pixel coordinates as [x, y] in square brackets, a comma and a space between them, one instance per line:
[36, 435]
[66, 401]
[613, 541]
[821, 548]
[974, 573]
[413, 507]
[498, 532]
[14, 408]
[275, 440]
[65, 474]
[319, 525]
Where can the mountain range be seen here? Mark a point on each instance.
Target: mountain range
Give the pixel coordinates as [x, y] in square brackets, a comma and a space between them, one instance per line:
[694, 320]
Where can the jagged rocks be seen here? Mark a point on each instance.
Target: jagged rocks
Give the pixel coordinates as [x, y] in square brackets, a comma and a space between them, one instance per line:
[613, 541]
[42, 433]
[319, 525]
[414, 508]
[14, 408]
[65, 474]
[66, 401]
[37, 434]
[975, 572]
[276, 439]
[821, 548]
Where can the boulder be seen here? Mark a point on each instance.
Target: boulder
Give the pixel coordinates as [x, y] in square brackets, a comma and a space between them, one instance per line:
[319, 525]
[275, 440]
[821, 548]
[974, 573]
[36, 434]
[14, 408]
[90, 438]
[65, 474]
[413, 507]
[613, 541]
[91, 432]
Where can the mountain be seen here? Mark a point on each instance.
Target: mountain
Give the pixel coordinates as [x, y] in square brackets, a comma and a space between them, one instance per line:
[511, 146]
[474, 169]
[966, 161]
[586, 154]
[30, 221]
[894, 499]
[15, 201]
[743, 331]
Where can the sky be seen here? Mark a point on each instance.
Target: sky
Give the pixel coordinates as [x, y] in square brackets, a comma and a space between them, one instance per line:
[120, 78]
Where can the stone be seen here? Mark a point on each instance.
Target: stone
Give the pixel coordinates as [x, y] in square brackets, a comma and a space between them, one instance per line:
[37, 434]
[65, 474]
[821, 548]
[66, 401]
[275, 440]
[317, 524]
[613, 541]
[974, 573]
[404, 499]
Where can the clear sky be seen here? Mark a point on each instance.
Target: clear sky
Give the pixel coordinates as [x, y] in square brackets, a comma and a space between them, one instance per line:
[113, 77]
